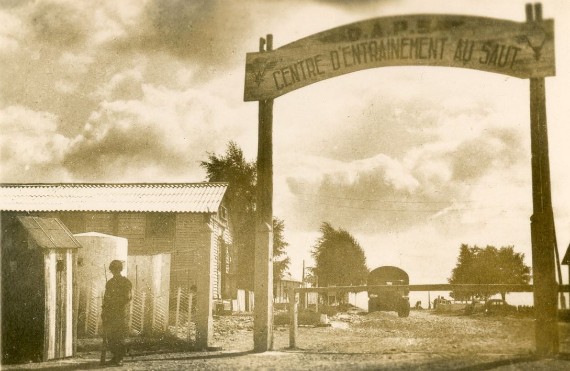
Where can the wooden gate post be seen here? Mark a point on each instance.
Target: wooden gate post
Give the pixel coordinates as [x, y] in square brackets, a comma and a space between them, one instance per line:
[88, 308]
[263, 286]
[293, 318]
[178, 296]
[131, 304]
[190, 299]
[542, 221]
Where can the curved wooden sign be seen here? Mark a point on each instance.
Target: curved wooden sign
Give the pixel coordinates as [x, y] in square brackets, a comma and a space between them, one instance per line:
[524, 50]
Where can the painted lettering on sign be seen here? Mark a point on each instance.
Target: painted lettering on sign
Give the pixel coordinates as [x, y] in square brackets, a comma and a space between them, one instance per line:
[298, 72]
[389, 49]
[516, 49]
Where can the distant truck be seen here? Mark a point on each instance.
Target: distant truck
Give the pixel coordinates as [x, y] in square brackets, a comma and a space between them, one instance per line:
[393, 300]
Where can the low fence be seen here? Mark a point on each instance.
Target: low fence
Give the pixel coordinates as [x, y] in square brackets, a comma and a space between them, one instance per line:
[183, 309]
[147, 313]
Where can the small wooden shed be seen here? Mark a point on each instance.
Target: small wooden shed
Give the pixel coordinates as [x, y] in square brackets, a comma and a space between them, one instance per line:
[38, 306]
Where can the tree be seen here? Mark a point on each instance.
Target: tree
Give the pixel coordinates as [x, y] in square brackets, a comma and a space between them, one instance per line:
[487, 266]
[241, 176]
[339, 259]
[234, 169]
[280, 259]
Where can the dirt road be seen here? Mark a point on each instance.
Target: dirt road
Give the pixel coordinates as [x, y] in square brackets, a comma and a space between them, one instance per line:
[377, 341]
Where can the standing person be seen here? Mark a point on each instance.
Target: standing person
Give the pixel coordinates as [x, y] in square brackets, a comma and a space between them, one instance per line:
[115, 311]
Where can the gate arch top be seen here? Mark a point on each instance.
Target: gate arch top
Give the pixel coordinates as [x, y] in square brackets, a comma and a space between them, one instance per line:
[518, 49]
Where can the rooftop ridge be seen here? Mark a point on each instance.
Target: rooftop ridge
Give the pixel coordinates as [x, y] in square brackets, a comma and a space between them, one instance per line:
[109, 184]
[133, 197]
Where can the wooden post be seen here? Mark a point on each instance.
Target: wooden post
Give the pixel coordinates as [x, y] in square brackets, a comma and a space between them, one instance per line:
[190, 297]
[293, 318]
[542, 221]
[178, 296]
[317, 302]
[263, 286]
[98, 319]
[76, 297]
[153, 312]
[131, 304]
[204, 288]
[89, 293]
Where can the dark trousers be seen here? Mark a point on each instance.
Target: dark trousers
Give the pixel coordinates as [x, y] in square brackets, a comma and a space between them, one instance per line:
[116, 345]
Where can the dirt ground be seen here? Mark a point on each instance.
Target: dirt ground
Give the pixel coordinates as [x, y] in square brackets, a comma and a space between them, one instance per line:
[356, 341]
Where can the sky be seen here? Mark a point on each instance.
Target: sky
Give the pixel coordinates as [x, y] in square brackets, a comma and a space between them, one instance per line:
[412, 161]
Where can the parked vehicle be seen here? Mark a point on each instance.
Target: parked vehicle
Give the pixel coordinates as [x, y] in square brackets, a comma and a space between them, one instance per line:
[393, 300]
[498, 306]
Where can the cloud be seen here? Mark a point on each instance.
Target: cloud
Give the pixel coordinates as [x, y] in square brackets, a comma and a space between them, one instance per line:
[382, 193]
[75, 63]
[208, 33]
[125, 85]
[355, 5]
[7, 4]
[65, 86]
[60, 24]
[166, 133]
[496, 148]
[390, 126]
[10, 32]
[30, 145]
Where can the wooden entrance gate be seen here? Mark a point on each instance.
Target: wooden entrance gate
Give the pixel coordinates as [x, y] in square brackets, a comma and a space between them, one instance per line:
[519, 49]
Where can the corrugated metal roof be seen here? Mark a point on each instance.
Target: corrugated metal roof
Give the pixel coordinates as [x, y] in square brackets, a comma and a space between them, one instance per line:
[133, 197]
[49, 233]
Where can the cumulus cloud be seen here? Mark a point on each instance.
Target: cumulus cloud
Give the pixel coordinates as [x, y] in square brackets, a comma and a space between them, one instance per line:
[119, 80]
[10, 30]
[30, 145]
[167, 130]
[75, 63]
[383, 193]
[207, 33]
[58, 23]
[494, 148]
[125, 85]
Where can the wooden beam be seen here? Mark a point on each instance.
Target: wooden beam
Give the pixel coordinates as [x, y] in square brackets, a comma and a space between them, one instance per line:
[542, 220]
[293, 317]
[263, 277]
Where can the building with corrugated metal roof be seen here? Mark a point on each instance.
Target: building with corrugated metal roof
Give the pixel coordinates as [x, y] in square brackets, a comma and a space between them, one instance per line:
[187, 220]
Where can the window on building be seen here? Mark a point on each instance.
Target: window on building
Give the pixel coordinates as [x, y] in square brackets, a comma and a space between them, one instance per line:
[160, 224]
